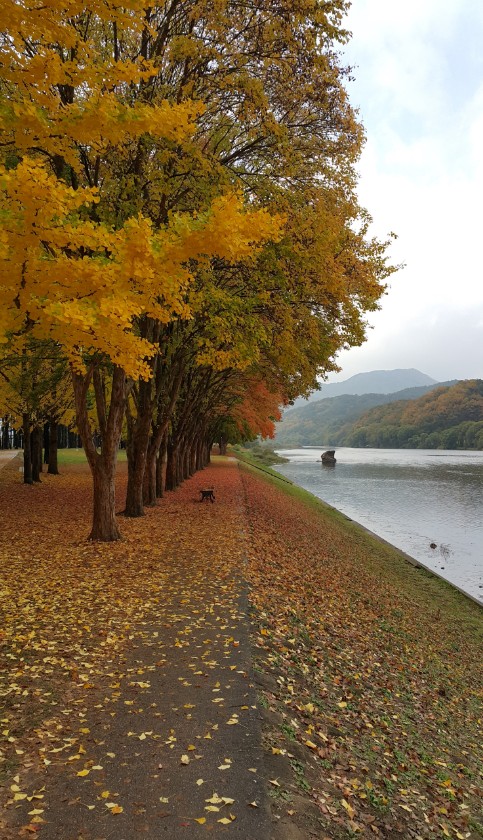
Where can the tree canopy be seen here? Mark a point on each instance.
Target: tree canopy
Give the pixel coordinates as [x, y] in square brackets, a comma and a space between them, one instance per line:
[178, 212]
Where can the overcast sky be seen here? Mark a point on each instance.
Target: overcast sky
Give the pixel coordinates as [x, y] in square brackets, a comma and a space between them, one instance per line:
[419, 88]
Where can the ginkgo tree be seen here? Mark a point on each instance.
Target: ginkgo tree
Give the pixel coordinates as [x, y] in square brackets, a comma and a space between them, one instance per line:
[178, 207]
[72, 269]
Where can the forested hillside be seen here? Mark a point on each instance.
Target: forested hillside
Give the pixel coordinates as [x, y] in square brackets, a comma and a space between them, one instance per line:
[445, 418]
[326, 422]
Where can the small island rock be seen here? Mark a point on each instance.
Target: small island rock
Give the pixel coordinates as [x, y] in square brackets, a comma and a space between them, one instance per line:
[329, 457]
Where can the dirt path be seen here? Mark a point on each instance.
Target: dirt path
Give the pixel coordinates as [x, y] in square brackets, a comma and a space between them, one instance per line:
[7, 455]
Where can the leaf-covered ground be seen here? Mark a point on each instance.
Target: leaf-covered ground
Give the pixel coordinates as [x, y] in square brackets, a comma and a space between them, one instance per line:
[126, 706]
[370, 675]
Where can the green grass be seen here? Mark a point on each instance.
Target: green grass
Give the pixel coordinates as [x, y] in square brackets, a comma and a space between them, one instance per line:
[77, 456]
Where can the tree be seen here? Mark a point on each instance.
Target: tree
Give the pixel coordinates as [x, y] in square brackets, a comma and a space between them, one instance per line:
[80, 267]
[132, 140]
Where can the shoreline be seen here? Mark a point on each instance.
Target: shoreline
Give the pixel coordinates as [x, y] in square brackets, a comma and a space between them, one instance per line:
[368, 671]
[414, 561]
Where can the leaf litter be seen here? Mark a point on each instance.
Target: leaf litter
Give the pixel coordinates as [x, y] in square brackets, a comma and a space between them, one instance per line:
[371, 671]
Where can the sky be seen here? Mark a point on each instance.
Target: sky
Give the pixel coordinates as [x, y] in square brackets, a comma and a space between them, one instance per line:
[418, 67]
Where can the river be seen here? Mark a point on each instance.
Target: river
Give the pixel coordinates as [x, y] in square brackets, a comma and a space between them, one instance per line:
[413, 498]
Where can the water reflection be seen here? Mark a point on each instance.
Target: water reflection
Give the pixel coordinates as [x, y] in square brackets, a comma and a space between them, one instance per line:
[412, 498]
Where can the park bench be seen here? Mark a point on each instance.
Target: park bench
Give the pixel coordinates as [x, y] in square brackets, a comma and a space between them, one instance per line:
[209, 493]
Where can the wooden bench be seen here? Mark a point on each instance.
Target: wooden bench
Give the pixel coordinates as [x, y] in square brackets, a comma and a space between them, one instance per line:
[209, 493]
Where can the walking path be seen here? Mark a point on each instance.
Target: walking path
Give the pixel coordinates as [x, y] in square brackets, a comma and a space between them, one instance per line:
[127, 687]
[166, 742]
[7, 455]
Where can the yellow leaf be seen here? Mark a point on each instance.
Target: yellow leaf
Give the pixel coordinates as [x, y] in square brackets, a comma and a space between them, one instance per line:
[349, 808]
[200, 820]
[83, 772]
[215, 799]
[118, 809]
[185, 759]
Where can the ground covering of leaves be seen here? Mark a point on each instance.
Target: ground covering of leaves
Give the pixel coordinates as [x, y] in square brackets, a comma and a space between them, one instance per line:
[124, 672]
[370, 675]
[126, 704]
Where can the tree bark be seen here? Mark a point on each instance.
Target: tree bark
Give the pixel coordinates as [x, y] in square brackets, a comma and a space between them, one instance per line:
[36, 452]
[103, 463]
[5, 433]
[53, 468]
[171, 481]
[27, 450]
[161, 467]
[104, 524]
[46, 442]
[137, 450]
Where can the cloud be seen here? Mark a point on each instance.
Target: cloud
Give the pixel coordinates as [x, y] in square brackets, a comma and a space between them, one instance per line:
[422, 176]
[445, 345]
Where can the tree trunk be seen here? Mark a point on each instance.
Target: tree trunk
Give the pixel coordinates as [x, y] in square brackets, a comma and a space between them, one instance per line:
[53, 448]
[102, 464]
[36, 452]
[5, 434]
[149, 485]
[46, 442]
[171, 482]
[136, 465]
[104, 525]
[161, 467]
[27, 451]
[137, 450]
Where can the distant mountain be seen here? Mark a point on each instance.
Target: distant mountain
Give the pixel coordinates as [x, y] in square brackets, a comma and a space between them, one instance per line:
[326, 422]
[372, 382]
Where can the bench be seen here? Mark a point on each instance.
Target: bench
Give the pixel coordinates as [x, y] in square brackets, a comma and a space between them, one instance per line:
[209, 493]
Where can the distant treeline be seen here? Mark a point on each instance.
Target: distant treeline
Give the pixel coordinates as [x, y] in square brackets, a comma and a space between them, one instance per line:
[444, 417]
[11, 437]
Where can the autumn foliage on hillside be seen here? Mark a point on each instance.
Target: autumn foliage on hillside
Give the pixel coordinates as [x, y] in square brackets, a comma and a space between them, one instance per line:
[446, 418]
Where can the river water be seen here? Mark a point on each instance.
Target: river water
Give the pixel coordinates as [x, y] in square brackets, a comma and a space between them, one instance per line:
[411, 497]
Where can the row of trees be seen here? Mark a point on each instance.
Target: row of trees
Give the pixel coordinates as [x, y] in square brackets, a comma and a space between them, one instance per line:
[181, 246]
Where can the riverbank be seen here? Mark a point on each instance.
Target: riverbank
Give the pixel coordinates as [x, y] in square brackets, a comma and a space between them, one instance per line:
[371, 675]
[368, 671]
[427, 504]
